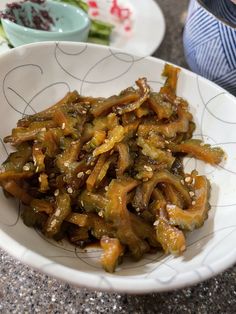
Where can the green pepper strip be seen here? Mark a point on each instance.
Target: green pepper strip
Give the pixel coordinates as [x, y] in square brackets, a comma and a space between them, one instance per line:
[196, 214]
[169, 88]
[20, 135]
[144, 192]
[15, 190]
[105, 106]
[199, 150]
[48, 113]
[171, 238]
[170, 130]
[116, 212]
[112, 251]
[62, 210]
[144, 93]
[124, 158]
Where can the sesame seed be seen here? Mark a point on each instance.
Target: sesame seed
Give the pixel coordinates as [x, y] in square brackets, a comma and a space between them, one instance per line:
[43, 130]
[36, 148]
[82, 203]
[57, 213]
[148, 168]
[40, 179]
[170, 206]
[193, 203]
[193, 182]
[69, 190]
[26, 168]
[100, 213]
[56, 193]
[145, 179]
[106, 140]
[137, 209]
[106, 188]
[191, 193]
[53, 223]
[37, 169]
[202, 144]
[34, 160]
[187, 179]
[156, 223]
[66, 164]
[63, 125]
[92, 163]
[167, 142]
[182, 182]
[88, 171]
[168, 150]
[80, 175]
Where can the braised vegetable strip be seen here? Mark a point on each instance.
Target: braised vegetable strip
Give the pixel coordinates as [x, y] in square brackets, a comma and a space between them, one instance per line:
[111, 170]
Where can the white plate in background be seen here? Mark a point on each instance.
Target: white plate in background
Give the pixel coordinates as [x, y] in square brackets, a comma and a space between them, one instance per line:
[146, 23]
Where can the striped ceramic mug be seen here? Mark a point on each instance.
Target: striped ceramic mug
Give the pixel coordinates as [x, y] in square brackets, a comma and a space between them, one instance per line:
[210, 41]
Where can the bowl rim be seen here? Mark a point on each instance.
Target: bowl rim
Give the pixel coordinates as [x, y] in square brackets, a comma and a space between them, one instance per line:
[108, 282]
[218, 18]
[22, 28]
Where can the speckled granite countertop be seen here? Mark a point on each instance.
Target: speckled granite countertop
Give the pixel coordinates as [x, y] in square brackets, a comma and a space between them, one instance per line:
[24, 290]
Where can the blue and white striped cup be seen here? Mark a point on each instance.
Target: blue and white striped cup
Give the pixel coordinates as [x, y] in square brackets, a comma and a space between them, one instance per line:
[210, 41]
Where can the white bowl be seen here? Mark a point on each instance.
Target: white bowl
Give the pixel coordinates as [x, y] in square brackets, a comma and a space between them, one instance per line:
[36, 76]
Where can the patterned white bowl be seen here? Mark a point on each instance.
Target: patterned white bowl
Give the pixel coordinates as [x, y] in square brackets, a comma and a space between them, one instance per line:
[35, 76]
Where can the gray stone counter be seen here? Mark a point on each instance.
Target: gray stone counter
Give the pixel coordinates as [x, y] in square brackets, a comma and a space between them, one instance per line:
[24, 290]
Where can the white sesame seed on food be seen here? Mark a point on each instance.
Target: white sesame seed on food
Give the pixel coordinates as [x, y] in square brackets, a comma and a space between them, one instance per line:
[202, 144]
[56, 193]
[106, 188]
[182, 182]
[63, 125]
[191, 193]
[26, 168]
[66, 164]
[156, 223]
[82, 203]
[88, 171]
[57, 213]
[170, 206]
[43, 130]
[187, 179]
[193, 203]
[70, 190]
[80, 175]
[148, 168]
[100, 213]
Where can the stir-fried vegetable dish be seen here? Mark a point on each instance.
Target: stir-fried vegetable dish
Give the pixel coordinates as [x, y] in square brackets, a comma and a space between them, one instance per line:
[110, 170]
